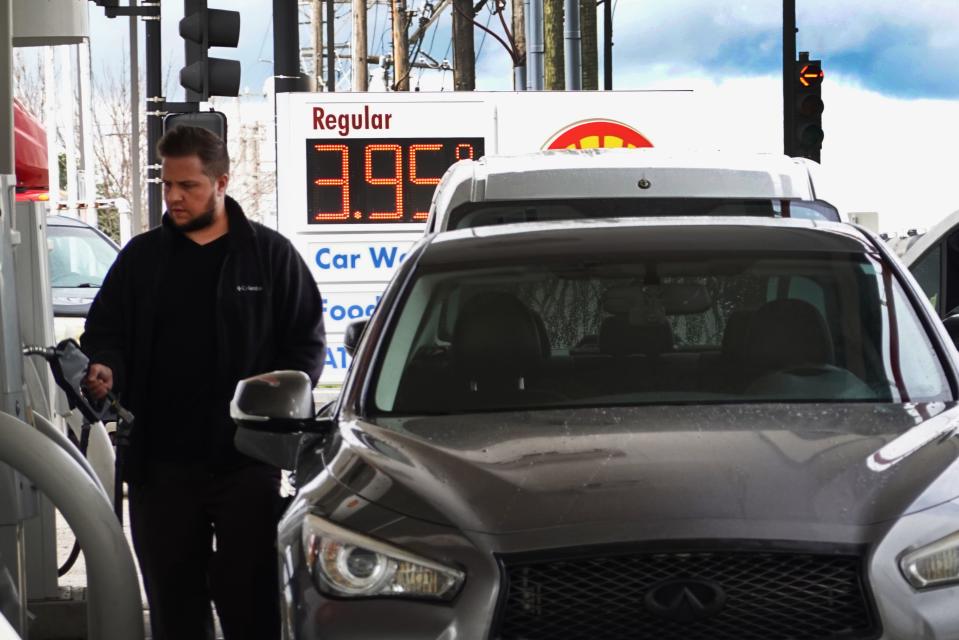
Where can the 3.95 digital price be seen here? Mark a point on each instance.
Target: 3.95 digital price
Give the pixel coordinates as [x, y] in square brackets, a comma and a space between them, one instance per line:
[382, 180]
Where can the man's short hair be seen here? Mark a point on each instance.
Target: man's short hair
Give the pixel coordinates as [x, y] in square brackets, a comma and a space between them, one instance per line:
[182, 141]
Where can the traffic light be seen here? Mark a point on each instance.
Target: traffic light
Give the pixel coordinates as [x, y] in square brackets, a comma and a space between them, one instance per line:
[204, 76]
[211, 120]
[807, 118]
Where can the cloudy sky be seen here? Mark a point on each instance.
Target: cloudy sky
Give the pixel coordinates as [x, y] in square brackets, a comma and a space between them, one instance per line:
[891, 89]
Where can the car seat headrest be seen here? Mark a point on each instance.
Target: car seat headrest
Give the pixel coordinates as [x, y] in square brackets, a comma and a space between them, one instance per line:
[496, 335]
[789, 333]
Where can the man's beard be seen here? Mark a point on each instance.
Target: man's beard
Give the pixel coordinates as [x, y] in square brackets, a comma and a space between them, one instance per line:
[202, 221]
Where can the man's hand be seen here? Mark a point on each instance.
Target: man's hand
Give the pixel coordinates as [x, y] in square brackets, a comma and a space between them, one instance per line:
[99, 381]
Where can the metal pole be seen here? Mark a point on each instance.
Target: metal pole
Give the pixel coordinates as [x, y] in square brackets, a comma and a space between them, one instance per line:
[789, 63]
[527, 26]
[330, 45]
[69, 125]
[286, 49]
[88, 190]
[135, 123]
[359, 50]
[50, 124]
[573, 47]
[534, 45]
[7, 164]
[608, 45]
[154, 100]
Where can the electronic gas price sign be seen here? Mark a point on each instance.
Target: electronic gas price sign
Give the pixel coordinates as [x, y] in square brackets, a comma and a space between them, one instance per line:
[379, 180]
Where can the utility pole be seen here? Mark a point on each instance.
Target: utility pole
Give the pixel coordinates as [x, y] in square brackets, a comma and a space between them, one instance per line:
[589, 44]
[553, 31]
[789, 63]
[572, 53]
[608, 45]
[317, 24]
[330, 45]
[359, 49]
[519, 44]
[401, 46]
[464, 52]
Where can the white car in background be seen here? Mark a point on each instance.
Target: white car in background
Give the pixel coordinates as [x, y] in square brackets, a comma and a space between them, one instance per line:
[612, 183]
[80, 257]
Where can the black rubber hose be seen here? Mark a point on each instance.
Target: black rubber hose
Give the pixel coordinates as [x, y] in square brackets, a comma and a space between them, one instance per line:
[75, 551]
[50, 353]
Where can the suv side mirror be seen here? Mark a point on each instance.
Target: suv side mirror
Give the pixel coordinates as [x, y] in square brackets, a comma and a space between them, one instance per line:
[276, 402]
[351, 339]
[273, 411]
[952, 327]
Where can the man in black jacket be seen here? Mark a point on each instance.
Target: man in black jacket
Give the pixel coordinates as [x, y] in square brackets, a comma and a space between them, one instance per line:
[188, 310]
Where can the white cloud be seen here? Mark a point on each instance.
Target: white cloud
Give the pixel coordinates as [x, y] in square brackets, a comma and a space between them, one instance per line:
[883, 154]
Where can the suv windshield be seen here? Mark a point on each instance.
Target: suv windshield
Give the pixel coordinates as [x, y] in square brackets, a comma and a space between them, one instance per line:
[660, 329]
[79, 257]
[505, 212]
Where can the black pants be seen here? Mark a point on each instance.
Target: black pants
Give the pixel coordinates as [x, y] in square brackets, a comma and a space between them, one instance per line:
[175, 515]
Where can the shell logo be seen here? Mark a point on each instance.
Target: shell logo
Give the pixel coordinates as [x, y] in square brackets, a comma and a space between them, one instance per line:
[598, 134]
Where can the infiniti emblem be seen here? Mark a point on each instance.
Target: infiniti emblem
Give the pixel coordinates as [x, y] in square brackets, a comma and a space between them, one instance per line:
[685, 599]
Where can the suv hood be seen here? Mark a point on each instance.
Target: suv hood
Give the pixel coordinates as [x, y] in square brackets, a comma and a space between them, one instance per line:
[814, 464]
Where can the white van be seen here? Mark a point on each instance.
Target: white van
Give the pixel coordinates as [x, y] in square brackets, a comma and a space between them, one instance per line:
[933, 258]
[600, 183]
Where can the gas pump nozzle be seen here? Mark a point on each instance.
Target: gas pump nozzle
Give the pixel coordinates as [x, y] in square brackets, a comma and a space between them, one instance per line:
[69, 366]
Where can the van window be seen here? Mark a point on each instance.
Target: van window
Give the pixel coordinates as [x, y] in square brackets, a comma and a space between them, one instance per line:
[505, 212]
[927, 273]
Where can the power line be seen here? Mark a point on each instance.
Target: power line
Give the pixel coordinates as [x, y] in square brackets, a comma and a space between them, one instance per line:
[479, 51]
[429, 54]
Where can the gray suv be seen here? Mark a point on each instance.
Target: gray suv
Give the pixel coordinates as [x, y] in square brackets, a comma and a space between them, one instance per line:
[638, 428]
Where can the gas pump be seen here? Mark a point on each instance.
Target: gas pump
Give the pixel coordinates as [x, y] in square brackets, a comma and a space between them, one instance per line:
[37, 460]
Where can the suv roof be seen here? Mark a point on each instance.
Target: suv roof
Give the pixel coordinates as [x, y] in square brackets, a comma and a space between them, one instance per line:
[635, 235]
[616, 173]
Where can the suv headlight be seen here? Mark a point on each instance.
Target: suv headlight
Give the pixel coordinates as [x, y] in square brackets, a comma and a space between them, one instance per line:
[933, 565]
[347, 564]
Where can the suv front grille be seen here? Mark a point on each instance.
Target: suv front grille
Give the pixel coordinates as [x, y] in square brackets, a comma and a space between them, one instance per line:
[687, 596]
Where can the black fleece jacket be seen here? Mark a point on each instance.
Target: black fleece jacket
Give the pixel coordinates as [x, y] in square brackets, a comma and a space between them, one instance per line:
[269, 314]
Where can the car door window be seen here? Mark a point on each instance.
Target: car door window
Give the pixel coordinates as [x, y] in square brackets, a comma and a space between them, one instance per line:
[927, 271]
